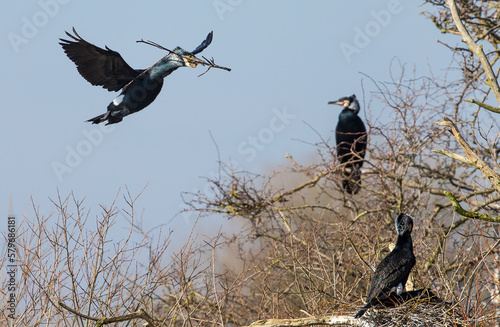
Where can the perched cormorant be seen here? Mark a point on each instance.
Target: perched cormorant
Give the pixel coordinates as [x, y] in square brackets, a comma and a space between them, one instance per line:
[393, 271]
[107, 68]
[351, 138]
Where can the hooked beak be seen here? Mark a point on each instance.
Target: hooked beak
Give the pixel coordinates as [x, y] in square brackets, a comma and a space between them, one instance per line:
[340, 103]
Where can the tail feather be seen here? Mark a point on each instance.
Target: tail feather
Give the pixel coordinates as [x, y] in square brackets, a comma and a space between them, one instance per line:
[106, 117]
[98, 119]
[361, 312]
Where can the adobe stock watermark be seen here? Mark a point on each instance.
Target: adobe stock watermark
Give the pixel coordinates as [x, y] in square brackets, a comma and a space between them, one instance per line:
[11, 267]
[255, 143]
[363, 36]
[75, 154]
[248, 149]
[31, 25]
[225, 6]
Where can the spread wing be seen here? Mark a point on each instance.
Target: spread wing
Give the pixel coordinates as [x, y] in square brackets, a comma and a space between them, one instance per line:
[204, 44]
[98, 66]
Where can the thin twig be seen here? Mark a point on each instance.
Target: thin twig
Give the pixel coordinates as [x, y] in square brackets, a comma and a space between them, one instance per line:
[206, 62]
[100, 321]
[360, 257]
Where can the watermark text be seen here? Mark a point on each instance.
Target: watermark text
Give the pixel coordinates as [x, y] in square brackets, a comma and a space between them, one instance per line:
[11, 267]
[363, 36]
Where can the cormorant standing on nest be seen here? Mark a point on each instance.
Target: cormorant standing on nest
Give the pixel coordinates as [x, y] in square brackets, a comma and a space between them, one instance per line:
[351, 138]
[393, 271]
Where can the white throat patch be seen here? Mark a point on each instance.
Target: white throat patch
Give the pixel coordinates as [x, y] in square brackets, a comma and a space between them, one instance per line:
[188, 63]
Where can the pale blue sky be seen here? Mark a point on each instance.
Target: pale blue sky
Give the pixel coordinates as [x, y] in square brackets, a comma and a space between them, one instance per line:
[287, 63]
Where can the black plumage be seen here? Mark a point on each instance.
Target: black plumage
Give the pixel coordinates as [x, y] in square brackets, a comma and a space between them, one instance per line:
[107, 68]
[393, 271]
[98, 66]
[351, 138]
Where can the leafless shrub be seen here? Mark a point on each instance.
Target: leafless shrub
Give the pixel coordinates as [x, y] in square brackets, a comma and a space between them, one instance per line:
[72, 270]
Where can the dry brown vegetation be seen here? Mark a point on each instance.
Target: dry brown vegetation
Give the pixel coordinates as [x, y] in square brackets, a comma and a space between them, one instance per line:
[303, 247]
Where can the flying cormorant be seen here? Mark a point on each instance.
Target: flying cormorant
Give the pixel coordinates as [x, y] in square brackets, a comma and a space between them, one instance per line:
[351, 138]
[393, 271]
[107, 68]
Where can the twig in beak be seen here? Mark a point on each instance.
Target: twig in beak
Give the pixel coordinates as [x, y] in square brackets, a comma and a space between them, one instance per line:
[205, 62]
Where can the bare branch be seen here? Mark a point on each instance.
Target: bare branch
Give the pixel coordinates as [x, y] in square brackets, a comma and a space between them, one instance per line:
[101, 321]
[469, 214]
[491, 79]
[310, 321]
[473, 158]
[485, 106]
